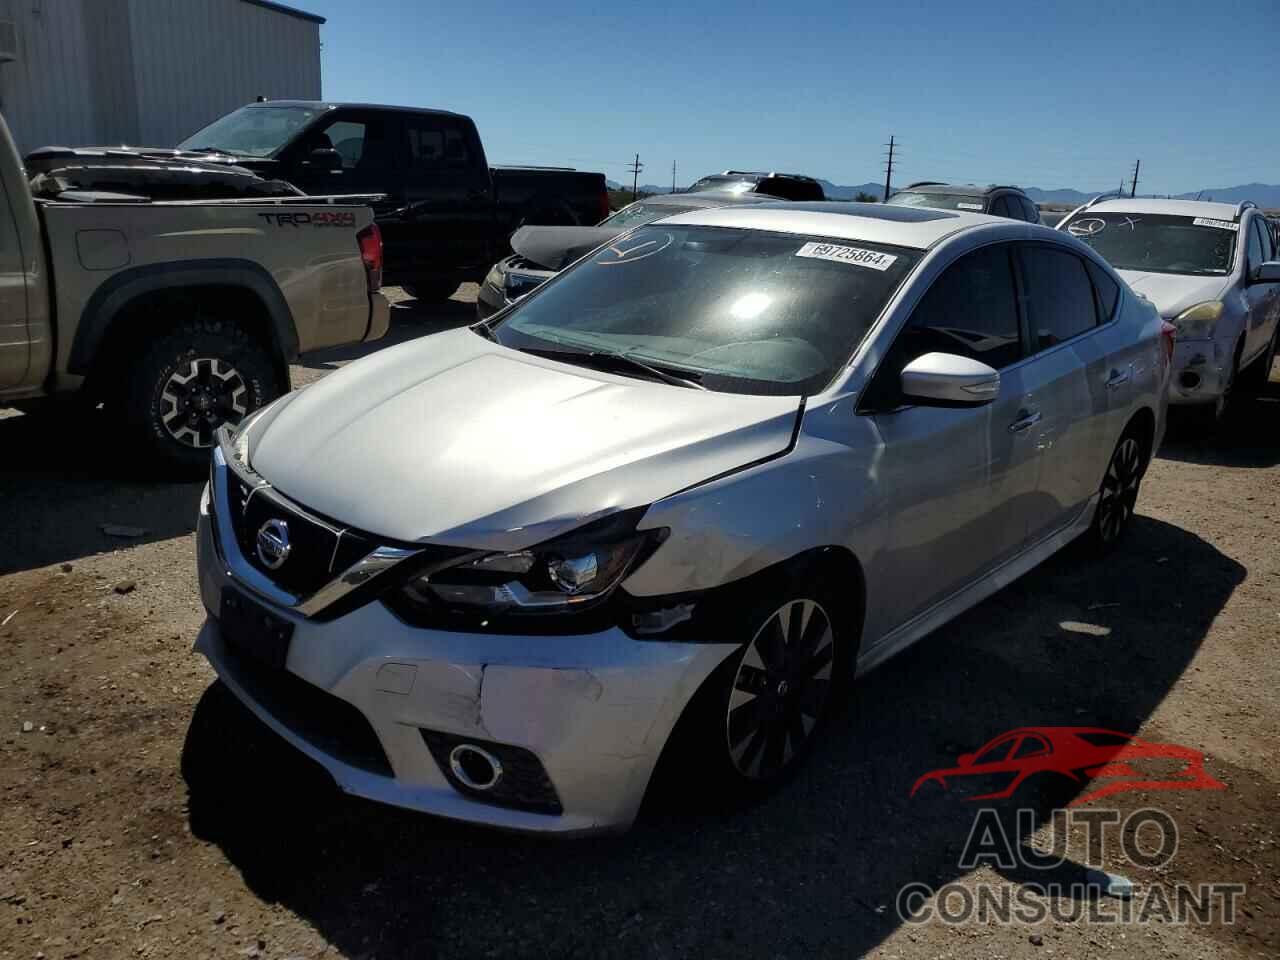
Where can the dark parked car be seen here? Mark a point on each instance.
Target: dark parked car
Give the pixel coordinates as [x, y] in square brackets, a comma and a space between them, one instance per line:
[998, 201]
[783, 186]
[445, 214]
[542, 252]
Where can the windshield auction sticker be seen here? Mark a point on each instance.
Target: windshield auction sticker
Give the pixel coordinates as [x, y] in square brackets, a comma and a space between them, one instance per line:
[1219, 224]
[969, 206]
[855, 255]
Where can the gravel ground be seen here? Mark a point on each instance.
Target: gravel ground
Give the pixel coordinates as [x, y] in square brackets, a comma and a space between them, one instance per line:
[143, 813]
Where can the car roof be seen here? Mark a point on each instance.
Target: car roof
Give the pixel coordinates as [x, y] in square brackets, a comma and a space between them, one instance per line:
[917, 227]
[1181, 208]
[706, 198]
[334, 105]
[957, 189]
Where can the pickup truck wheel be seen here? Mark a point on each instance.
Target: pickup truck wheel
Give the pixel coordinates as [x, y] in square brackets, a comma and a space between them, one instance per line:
[430, 290]
[190, 382]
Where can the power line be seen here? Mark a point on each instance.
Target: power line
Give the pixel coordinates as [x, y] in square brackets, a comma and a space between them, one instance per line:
[673, 176]
[1133, 189]
[888, 168]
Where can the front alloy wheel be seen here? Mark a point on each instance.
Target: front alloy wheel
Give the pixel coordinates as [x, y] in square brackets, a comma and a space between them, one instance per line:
[781, 689]
[1119, 494]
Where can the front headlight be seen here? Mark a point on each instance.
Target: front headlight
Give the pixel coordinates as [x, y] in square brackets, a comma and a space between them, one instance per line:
[569, 573]
[1197, 323]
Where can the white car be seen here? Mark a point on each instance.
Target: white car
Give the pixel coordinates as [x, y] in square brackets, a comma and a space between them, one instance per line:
[690, 484]
[1211, 269]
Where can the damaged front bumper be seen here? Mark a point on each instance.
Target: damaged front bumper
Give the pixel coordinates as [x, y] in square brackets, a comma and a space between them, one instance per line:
[594, 710]
[1200, 372]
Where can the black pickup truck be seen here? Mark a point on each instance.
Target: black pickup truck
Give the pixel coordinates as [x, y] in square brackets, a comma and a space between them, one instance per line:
[445, 214]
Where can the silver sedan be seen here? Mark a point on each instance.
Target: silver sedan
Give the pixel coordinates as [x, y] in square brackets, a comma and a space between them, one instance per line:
[678, 494]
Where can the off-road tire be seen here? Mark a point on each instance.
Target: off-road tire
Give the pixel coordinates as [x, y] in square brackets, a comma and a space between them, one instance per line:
[205, 349]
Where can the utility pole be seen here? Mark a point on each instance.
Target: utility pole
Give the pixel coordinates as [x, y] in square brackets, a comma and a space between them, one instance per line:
[1133, 188]
[635, 169]
[673, 176]
[888, 167]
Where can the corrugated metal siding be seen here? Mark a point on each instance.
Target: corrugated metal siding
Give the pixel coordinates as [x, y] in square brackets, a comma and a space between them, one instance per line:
[147, 71]
[44, 94]
[195, 61]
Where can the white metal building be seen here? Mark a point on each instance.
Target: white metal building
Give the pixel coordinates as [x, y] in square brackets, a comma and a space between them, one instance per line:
[146, 72]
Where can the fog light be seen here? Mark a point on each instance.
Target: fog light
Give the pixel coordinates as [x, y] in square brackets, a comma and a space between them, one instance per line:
[1189, 380]
[474, 766]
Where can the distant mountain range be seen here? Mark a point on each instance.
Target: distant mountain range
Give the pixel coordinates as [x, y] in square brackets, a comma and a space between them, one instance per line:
[1263, 194]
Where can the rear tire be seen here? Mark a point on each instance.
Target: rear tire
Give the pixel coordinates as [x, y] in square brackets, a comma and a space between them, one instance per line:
[1118, 492]
[190, 381]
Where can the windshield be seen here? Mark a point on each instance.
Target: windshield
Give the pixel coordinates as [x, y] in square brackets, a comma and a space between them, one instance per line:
[729, 184]
[941, 201]
[635, 214]
[1159, 243]
[258, 130]
[741, 311]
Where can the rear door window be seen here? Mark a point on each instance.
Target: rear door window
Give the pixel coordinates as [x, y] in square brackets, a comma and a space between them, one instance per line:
[1107, 289]
[435, 144]
[1059, 295]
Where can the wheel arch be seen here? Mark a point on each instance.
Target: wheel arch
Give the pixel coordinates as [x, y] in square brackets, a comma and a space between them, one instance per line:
[1143, 423]
[112, 307]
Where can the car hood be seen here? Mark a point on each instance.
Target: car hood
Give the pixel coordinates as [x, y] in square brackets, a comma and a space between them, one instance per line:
[455, 439]
[1174, 292]
[557, 247]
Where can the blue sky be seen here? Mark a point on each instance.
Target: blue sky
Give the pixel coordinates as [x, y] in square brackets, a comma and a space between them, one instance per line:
[1036, 93]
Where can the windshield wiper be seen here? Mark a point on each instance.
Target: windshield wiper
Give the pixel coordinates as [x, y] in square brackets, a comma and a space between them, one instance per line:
[485, 331]
[604, 360]
[230, 153]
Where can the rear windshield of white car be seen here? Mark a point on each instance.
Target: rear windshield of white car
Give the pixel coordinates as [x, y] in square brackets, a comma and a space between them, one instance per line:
[731, 184]
[739, 311]
[636, 214]
[939, 201]
[1159, 243]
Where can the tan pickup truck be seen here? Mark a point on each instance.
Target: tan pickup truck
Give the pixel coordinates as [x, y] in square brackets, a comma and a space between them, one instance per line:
[176, 316]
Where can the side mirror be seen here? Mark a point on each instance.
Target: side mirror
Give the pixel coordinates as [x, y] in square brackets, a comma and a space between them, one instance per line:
[946, 379]
[1268, 272]
[965, 760]
[325, 158]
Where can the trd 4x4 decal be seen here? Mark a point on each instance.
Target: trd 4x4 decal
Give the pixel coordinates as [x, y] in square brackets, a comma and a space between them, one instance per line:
[325, 218]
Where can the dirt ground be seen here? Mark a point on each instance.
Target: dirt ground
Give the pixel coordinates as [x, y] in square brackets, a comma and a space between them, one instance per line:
[143, 813]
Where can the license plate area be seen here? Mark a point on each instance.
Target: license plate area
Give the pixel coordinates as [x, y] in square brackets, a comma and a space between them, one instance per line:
[252, 629]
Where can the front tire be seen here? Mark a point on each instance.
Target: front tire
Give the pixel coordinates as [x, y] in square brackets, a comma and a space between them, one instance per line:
[188, 383]
[1255, 378]
[758, 716]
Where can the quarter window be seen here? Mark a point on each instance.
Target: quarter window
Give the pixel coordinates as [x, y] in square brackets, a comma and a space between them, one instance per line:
[996, 753]
[1264, 239]
[1059, 295]
[1030, 747]
[1030, 211]
[1001, 208]
[1108, 290]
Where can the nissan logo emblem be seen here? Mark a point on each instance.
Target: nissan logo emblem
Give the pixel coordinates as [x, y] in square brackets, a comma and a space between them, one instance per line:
[273, 544]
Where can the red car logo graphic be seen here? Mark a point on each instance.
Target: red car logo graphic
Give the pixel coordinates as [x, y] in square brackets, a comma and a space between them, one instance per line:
[1081, 754]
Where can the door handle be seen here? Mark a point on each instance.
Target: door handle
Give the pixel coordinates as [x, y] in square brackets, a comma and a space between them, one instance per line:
[1118, 378]
[1025, 421]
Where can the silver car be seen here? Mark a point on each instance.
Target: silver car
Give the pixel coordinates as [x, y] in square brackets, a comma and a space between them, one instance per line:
[1211, 270]
[691, 484]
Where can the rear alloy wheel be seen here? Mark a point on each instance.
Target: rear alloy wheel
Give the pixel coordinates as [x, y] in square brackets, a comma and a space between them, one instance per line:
[191, 380]
[198, 399]
[781, 690]
[1118, 495]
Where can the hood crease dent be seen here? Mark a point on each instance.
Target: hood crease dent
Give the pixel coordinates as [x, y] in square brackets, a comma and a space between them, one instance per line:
[455, 439]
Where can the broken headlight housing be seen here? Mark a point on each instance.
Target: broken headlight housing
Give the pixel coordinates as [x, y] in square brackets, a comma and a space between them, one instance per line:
[573, 572]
